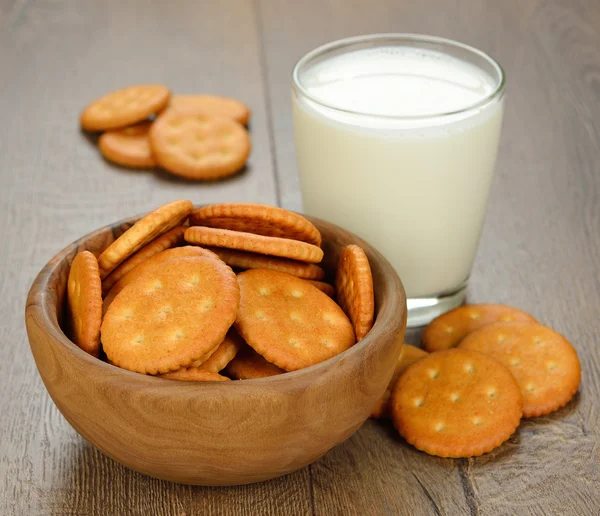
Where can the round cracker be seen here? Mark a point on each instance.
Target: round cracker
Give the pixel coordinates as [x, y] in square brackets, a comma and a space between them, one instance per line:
[288, 321]
[211, 105]
[84, 298]
[248, 364]
[244, 260]
[447, 330]
[142, 232]
[225, 353]
[272, 246]
[326, 288]
[354, 287]
[199, 146]
[128, 147]
[168, 317]
[456, 403]
[194, 374]
[124, 107]
[544, 363]
[259, 219]
[167, 240]
[155, 261]
[408, 356]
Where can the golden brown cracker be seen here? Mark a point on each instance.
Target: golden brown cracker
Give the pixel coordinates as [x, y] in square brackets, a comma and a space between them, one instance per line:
[168, 317]
[211, 105]
[128, 147]
[543, 362]
[354, 287]
[259, 219]
[456, 403]
[199, 147]
[244, 260]
[248, 364]
[225, 353]
[447, 330]
[142, 232]
[84, 298]
[124, 107]
[323, 287]
[288, 321]
[272, 246]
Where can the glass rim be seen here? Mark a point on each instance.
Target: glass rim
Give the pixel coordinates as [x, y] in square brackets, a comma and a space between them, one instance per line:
[399, 37]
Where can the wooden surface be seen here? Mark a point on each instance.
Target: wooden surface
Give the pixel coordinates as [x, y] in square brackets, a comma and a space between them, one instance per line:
[216, 433]
[540, 248]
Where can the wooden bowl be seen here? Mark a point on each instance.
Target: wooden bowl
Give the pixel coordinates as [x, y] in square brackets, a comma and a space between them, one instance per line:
[222, 433]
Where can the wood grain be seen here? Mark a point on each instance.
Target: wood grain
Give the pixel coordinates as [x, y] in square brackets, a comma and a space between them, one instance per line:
[539, 250]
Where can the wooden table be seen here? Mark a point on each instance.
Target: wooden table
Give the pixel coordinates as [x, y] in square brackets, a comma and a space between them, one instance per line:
[540, 249]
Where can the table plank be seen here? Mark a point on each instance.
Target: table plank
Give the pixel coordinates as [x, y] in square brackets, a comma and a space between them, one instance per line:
[56, 56]
[539, 249]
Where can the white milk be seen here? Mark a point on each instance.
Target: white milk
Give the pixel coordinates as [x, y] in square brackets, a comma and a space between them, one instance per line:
[416, 189]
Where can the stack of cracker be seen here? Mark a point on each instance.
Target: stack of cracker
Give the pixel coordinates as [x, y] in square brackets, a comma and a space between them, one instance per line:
[483, 368]
[164, 300]
[197, 137]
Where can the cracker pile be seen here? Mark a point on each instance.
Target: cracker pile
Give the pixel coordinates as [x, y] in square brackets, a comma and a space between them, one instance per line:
[483, 368]
[197, 137]
[157, 302]
[236, 292]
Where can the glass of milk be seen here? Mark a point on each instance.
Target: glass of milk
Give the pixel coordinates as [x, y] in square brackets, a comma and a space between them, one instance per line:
[396, 141]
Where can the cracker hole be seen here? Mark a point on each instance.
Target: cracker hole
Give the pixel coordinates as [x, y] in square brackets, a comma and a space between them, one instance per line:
[433, 373]
[469, 368]
[165, 310]
[492, 393]
[326, 343]
[194, 280]
[449, 329]
[501, 338]
[418, 402]
[507, 318]
[475, 315]
[293, 343]
[537, 340]
[157, 285]
[515, 361]
[477, 421]
[439, 427]
[297, 293]
[175, 123]
[530, 387]
[264, 291]
[178, 334]
[259, 315]
[127, 314]
[294, 317]
[454, 397]
[206, 304]
[139, 339]
[328, 317]
[551, 366]
[225, 152]
[173, 141]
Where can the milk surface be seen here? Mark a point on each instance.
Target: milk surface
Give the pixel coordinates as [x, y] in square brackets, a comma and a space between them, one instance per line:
[386, 150]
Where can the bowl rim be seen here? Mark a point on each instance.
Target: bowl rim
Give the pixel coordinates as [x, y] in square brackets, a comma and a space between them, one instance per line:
[39, 297]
